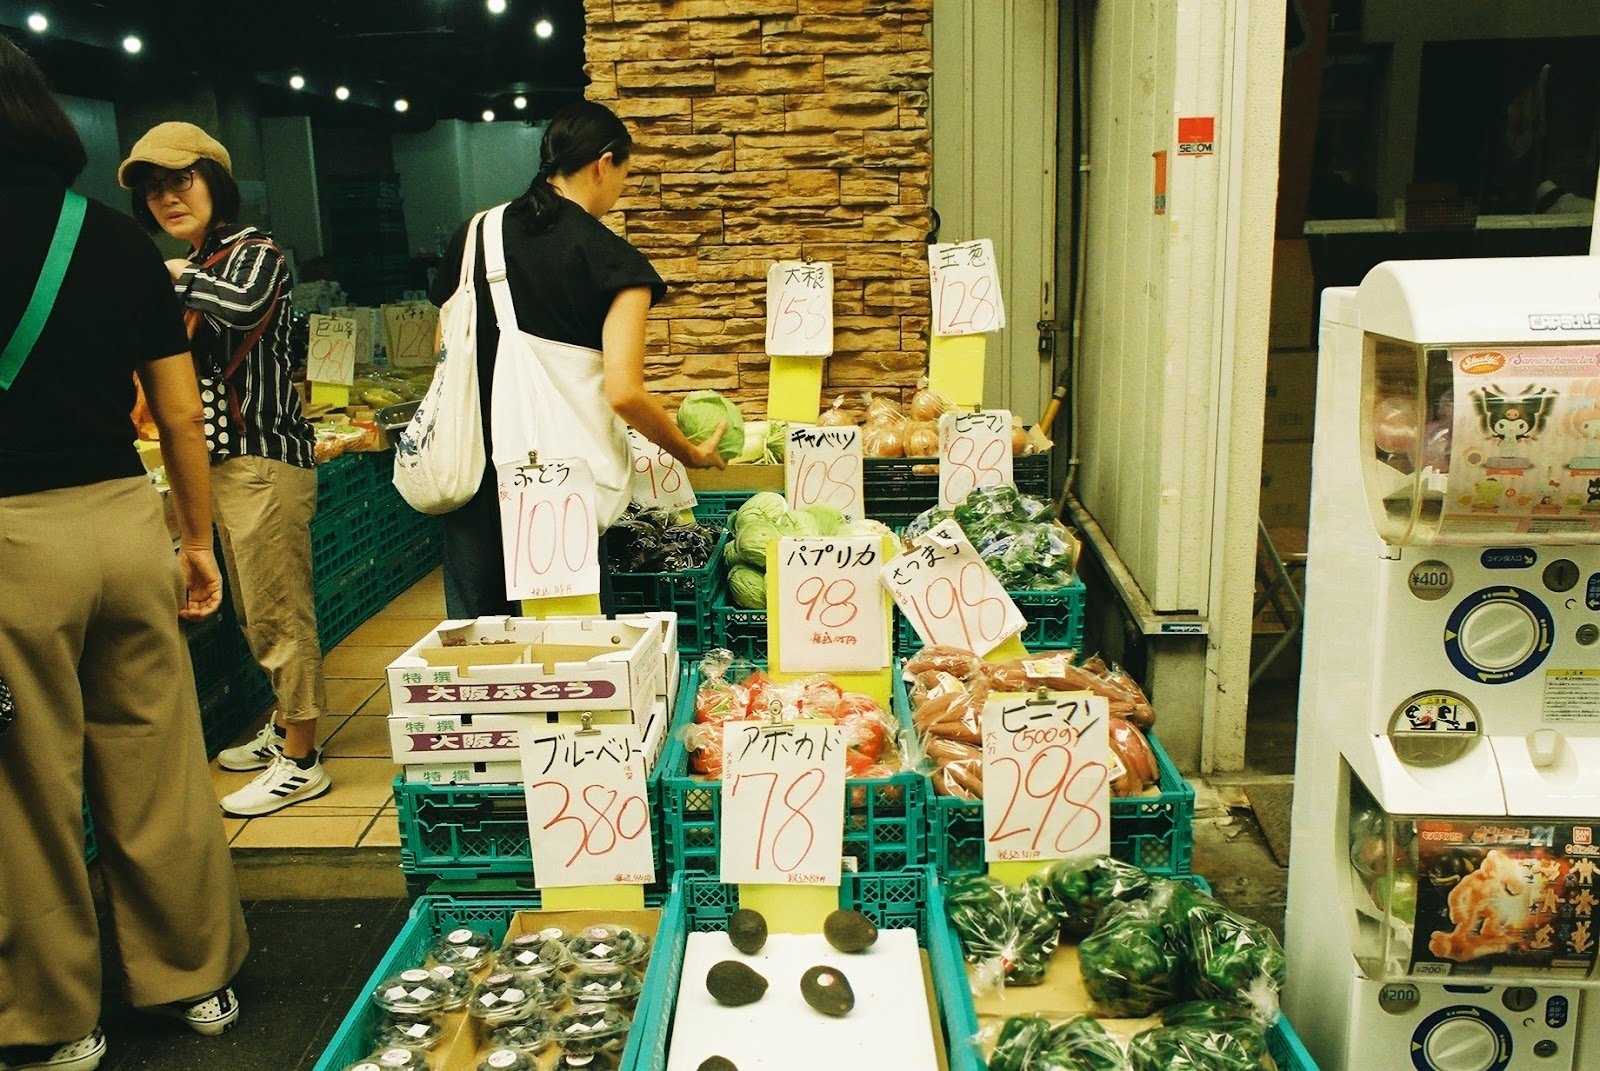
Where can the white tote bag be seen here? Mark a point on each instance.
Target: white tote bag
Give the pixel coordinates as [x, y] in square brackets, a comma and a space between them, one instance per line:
[439, 458]
[550, 398]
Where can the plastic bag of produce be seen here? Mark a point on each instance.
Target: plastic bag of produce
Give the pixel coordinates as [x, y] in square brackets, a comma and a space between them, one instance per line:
[957, 768]
[1084, 887]
[923, 521]
[1081, 1044]
[836, 415]
[1233, 958]
[1020, 1041]
[1010, 933]
[1238, 1046]
[955, 715]
[1129, 966]
[1134, 754]
[956, 661]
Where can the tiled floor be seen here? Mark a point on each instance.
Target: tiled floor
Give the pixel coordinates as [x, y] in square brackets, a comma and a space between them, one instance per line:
[358, 811]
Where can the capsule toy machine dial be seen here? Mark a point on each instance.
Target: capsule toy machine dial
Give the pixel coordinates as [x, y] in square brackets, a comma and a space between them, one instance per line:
[1444, 879]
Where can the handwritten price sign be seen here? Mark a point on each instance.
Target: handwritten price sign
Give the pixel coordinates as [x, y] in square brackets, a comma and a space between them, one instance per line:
[831, 613]
[822, 467]
[966, 288]
[1046, 777]
[588, 818]
[331, 350]
[369, 336]
[782, 803]
[949, 594]
[658, 480]
[547, 525]
[974, 452]
[799, 309]
[410, 332]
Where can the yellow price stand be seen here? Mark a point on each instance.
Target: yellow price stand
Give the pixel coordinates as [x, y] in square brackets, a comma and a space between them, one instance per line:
[795, 392]
[956, 367]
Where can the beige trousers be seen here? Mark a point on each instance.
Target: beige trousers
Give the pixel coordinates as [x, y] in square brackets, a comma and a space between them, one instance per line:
[263, 514]
[89, 643]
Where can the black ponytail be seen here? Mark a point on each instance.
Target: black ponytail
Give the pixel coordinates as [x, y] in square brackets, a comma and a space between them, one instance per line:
[579, 135]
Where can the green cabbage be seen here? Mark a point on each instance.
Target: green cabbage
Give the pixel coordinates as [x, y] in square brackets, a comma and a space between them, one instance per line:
[749, 587]
[699, 416]
[767, 506]
[749, 546]
[797, 524]
[829, 520]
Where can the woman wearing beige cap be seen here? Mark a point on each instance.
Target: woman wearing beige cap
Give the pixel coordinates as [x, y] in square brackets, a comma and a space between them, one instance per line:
[234, 288]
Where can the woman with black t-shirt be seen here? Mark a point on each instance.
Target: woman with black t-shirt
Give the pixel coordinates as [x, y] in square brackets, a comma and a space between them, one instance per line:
[575, 283]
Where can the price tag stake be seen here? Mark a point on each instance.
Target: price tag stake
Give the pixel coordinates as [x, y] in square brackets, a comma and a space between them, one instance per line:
[547, 526]
[659, 481]
[782, 803]
[974, 452]
[949, 594]
[965, 283]
[588, 815]
[800, 309]
[1047, 777]
[822, 467]
[831, 610]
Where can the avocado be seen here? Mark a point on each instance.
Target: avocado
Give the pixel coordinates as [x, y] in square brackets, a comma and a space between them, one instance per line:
[828, 991]
[748, 931]
[734, 984]
[717, 1063]
[849, 931]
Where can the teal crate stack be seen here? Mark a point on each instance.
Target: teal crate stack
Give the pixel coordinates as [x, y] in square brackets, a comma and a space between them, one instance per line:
[715, 507]
[690, 593]
[433, 916]
[885, 823]
[744, 632]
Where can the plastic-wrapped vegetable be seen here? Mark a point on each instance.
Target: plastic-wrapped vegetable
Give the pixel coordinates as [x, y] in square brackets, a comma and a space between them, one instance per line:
[653, 541]
[1138, 761]
[1232, 958]
[1022, 1038]
[1083, 888]
[1214, 1013]
[1129, 966]
[953, 660]
[1241, 1046]
[1009, 932]
[924, 521]
[1081, 1044]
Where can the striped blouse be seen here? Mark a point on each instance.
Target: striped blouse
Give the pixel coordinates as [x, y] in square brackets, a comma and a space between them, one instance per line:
[256, 411]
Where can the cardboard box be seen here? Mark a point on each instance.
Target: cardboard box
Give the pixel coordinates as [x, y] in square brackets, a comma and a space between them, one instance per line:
[1293, 323]
[1285, 484]
[1291, 395]
[486, 750]
[670, 663]
[516, 665]
[738, 478]
[1061, 996]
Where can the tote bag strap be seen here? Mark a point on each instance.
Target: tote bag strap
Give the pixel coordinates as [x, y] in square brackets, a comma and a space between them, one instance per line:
[45, 291]
[494, 264]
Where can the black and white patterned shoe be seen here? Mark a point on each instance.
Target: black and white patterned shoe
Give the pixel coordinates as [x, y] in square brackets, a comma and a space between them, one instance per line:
[284, 783]
[81, 1055]
[210, 1015]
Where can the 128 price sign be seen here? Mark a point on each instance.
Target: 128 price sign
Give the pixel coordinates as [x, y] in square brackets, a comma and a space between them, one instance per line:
[974, 452]
[800, 309]
[547, 527]
[831, 612]
[659, 482]
[782, 803]
[822, 467]
[1046, 777]
[965, 282]
[949, 594]
[588, 816]
[411, 331]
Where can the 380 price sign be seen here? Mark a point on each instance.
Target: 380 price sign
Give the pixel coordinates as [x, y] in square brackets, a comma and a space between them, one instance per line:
[782, 803]
[1047, 777]
[547, 527]
[588, 815]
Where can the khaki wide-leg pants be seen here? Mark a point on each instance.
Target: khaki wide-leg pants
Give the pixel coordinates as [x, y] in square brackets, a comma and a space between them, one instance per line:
[90, 645]
[263, 512]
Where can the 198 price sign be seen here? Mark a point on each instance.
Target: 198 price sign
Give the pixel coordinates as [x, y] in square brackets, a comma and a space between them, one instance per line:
[1047, 777]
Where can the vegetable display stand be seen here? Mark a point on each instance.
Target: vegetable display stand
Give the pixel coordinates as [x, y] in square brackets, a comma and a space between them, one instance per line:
[691, 594]
[908, 899]
[898, 489]
[715, 507]
[1054, 620]
[433, 916]
[744, 632]
[1155, 832]
[885, 821]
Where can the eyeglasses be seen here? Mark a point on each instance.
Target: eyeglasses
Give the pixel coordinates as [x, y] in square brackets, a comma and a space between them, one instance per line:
[177, 182]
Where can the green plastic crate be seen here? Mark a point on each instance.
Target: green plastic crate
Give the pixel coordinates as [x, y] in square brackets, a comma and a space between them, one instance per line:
[345, 539]
[898, 489]
[230, 708]
[91, 848]
[1054, 619]
[434, 915]
[690, 593]
[744, 632]
[1153, 832]
[909, 899]
[715, 507]
[885, 820]
[344, 480]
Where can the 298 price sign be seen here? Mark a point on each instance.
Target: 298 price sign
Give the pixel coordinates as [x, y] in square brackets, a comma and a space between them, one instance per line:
[1047, 777]
[588, 816]
[782, 803]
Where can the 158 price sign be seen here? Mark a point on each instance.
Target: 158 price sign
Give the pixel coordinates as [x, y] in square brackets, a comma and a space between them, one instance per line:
[1047, 777]
[800, 309]
[949, 594]
[974, 452]
[588, 816]
[831, 612]
[547, 527]
[782, 803]
[659, 481]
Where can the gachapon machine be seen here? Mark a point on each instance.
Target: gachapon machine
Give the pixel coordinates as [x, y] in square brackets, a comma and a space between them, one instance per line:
[1444, 880]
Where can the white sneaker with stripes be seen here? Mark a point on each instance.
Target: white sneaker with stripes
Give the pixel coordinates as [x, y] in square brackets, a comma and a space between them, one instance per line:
[281, 784]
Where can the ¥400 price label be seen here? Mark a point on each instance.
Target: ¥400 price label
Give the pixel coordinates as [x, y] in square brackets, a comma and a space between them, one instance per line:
[782, 803]
[949, 594]
[547, 526]
[588, 815]
[832, 616]
[1046, 777]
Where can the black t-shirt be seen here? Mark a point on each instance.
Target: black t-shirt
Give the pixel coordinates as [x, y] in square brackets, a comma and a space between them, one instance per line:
[563, 281]
[64, 422]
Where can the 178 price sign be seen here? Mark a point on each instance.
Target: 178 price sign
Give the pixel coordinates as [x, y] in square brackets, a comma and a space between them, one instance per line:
[588, 818]
[782, 803]
[1047, 777]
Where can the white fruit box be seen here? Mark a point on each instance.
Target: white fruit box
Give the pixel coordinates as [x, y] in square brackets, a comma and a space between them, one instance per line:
[668, 621]
[446, 763]
[516, 665]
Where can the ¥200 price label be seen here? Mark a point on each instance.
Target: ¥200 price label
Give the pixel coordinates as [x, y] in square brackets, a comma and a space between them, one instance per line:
[782, 803]
[949, 594]
[659, 481]
[800, 309]
[1046, 777]
[831, 612]
[965, 282]
[547, 527]
[588, 812]
[822, 467]
[974, 452]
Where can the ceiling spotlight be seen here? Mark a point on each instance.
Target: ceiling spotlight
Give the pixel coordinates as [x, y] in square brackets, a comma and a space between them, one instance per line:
[520, 103]
[496, 7]
[38, 23]
[402, 105]
[542, 29]
[488, 115]
[297, 81]
[132, 45]
[343, 93]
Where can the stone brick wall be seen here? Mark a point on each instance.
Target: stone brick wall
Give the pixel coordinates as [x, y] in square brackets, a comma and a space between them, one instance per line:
[773, 130]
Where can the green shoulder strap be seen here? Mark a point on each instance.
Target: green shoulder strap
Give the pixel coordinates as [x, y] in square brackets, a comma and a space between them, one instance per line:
[34, 316]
